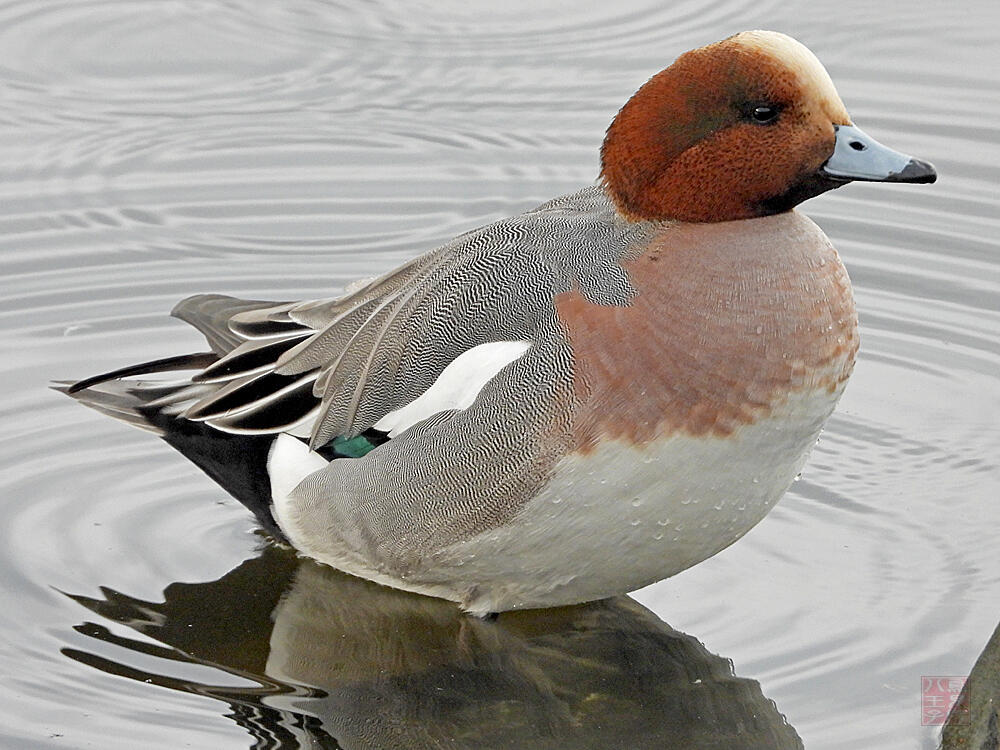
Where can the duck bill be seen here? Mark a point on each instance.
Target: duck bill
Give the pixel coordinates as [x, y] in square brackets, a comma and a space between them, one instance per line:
[858, 156]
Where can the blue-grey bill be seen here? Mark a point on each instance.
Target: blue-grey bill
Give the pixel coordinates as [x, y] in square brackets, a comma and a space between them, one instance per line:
[858, 156]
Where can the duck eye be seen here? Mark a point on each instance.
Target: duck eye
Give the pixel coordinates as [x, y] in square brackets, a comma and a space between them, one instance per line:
[764, 114]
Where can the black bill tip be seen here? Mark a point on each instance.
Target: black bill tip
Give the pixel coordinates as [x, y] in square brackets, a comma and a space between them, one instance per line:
[916, 170]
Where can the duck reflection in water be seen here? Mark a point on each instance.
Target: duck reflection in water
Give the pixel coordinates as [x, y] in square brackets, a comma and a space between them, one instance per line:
[338, 662]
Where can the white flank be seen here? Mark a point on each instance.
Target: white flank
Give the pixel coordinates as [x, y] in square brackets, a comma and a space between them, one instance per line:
[654, 511]
[288, 463]
[457, 386]
[611, 520]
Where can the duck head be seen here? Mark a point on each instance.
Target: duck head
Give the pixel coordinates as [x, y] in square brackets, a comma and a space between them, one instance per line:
[746, 127]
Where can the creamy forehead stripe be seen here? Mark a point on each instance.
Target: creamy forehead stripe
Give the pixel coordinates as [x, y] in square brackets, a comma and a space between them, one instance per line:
[795, 56]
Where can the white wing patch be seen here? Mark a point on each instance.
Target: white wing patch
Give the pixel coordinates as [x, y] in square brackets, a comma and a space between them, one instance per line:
[457, 386]
[288, 463]
[290, 460]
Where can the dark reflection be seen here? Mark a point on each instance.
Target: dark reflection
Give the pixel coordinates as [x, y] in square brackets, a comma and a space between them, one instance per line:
[336, 662]
[974, 721]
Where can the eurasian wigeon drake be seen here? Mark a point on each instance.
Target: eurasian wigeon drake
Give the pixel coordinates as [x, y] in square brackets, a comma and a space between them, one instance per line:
[566, 404]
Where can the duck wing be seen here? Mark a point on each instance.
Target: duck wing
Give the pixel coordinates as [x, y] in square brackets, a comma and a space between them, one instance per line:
[335, 368]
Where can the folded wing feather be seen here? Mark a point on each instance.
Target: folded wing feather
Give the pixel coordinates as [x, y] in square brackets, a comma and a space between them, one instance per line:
[400, 348]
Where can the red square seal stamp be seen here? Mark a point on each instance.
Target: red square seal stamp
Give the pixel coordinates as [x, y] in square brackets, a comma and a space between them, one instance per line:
[938, 695]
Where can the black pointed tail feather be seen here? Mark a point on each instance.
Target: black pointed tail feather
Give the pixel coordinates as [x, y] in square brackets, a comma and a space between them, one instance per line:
[197, 361]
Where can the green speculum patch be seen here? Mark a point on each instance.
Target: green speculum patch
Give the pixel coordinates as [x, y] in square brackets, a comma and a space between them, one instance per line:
[355, 447]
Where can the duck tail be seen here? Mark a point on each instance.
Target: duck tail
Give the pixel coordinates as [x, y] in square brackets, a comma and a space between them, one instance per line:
[142, 404]
[235, 461]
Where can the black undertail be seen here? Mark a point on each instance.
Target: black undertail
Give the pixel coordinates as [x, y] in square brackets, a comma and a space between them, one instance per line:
[237, 463]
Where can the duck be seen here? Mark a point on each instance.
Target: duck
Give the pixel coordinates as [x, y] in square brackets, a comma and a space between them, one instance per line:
[567, 404]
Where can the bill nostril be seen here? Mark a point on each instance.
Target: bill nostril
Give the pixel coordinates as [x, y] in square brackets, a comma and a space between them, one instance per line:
[858, 145]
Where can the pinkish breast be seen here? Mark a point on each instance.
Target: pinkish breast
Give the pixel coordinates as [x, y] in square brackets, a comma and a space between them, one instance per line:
[729, 319]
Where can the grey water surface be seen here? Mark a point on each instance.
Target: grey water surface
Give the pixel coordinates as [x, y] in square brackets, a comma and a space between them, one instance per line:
[153, 149]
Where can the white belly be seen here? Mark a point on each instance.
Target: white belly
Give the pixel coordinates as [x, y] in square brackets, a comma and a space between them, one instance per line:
[622, 516]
